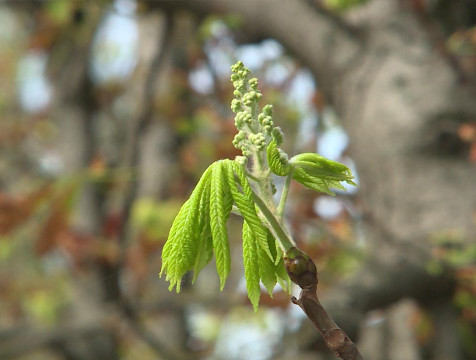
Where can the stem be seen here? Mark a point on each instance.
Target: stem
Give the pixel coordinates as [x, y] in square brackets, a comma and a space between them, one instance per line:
[284, 196]
[276, 228]
[303, 272]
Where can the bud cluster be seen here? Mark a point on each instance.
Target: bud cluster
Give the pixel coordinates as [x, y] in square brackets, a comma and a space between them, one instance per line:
[256, 129]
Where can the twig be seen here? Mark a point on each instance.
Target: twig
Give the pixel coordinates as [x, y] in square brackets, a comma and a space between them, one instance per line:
[303, 272]
[142, 123]
[112, 271]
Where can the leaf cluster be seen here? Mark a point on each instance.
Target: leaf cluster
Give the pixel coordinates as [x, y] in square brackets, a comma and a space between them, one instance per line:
[199, 232]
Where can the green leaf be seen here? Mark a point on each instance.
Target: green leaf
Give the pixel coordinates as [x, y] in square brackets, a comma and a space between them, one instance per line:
[267, 269]
[220, 208]
[281, 273]
[205, 245]
[180, 251]
[244, 201]
[278, 160]
[320, 174]
[311, 182]
[250, 262]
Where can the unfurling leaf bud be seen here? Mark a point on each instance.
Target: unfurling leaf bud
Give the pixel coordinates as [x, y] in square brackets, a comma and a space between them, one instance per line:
[301, 268]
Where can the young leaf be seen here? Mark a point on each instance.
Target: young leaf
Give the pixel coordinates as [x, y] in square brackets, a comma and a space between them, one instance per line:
[220, 208]
[281, 273]
[267, 270]
[180, 251]
[244, 201]
[205, 242]
[313, 183]
[320, 174]
[277, 160]
[250, 261]
[321, 167]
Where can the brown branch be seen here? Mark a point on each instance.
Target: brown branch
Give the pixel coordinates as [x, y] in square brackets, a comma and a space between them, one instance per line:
[111, 272]
[303, 272]
[142, 123]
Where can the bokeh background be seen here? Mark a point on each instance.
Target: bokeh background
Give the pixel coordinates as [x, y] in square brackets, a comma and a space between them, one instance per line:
[111, 110]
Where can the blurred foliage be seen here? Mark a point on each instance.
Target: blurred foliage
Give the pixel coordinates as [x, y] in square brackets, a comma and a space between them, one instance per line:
[343, 4]
[155, 218]
[453, 252]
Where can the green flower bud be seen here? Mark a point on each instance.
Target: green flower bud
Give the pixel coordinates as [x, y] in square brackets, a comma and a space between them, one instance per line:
[237, 67]
[248, 118]
[239, 85]
[241, 160]
[267, 120]
[277, 135]
[235, 105]
[243, 73]
[268, 110]
[247, 100]
[238, 122]
[237, 93]
[253, 82]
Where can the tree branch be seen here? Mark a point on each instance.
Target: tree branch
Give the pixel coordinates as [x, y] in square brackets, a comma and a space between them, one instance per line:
[303, 272]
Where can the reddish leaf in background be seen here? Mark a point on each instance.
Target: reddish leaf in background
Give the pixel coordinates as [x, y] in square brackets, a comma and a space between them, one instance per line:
[56, 224]
[137, 264]
[78, 246]
[467, 133]
[15, 211]
[111, 225]
[472, 152]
